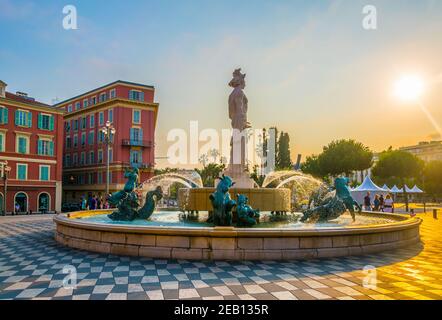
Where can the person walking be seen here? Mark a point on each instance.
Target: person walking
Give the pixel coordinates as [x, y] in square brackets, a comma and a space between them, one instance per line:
[381, 203]
[83, 203]
[93, 203]
[99, 203]
[367, 202]
[376, 203]
[388, 204]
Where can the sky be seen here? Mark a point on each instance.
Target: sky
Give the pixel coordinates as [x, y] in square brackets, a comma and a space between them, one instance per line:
[312, 69]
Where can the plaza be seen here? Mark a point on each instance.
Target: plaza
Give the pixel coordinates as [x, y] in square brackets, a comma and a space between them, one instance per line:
[32, 262]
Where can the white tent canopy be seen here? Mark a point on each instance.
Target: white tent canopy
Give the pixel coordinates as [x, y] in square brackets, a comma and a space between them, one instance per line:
[416, 189]
[367, 186]
[386, 188]
[395, 189]
[407, 189]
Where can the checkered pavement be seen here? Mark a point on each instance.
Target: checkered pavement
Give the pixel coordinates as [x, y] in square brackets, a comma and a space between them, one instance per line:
[31, 267]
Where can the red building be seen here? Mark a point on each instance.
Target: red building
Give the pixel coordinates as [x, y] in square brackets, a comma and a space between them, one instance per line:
[131, 109]
[31, 148]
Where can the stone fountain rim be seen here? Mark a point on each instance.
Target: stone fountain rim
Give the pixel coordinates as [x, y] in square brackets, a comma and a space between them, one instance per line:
[401, 223]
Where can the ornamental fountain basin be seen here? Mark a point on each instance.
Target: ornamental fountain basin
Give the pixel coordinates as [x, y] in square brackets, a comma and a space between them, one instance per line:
[168, 237]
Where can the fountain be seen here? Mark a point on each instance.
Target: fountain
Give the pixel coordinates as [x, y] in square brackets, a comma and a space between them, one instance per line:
[254, 224]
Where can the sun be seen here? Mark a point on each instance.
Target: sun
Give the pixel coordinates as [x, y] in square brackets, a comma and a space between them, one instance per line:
[409, 88]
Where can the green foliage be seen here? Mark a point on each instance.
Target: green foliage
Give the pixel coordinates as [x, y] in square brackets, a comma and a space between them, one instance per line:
[259, 179]
[433, 178]
[210, 172]
[398, 164]
[339, 157]
[283, 160]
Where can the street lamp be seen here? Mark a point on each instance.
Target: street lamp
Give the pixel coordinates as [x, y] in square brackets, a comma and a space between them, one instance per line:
[5, 172]
[108, 131]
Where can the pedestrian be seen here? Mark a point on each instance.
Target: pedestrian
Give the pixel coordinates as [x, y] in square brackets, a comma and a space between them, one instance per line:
[99, 202]
[381, 203]
[93, 203]
[389, 204]
[376, 203]
[367, 202]
[83, 203]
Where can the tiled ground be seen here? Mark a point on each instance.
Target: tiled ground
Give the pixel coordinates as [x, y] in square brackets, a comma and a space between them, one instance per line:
[31, 266]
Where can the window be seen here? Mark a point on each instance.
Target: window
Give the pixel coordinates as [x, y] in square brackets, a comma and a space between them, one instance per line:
[44, 173]
[83, 123]
[135, 157]
[99, 177]
[67, 126]
[3, 115]
[91, 157]
[68, 142]
[67, 160]
[91, 121]
[136, 135]
[45, 147]
[2, 141]
[75, 140]
[22, 144]
[45, 122]
[102, 97]
[136, 116]
[85, 103]
[75, 124]
[111, 155]
[75, 159]
[90, 178]
[101, 118]
[91, 138]
[22, 171]
[70, 108]
[83, 139]
[110, 115]
[23, 118]
[83, 159]
[94, 100]
[77, 105]
[113, 93]
[100, 136]
[100, 156]
[136, 95]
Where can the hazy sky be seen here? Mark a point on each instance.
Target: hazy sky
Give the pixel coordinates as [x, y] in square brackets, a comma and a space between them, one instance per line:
[312, 70]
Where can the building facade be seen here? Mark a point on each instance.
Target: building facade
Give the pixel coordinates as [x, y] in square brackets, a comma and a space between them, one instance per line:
[427, 151]
[31, 148]
[131, 110]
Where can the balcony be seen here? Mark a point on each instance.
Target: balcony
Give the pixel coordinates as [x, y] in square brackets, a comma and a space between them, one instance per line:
[138, 165]
[137, 143]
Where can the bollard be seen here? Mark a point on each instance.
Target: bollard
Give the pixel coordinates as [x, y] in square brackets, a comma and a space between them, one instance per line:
[435, 214]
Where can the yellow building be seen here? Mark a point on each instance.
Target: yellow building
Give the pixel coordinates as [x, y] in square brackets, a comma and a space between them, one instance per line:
[427, 151]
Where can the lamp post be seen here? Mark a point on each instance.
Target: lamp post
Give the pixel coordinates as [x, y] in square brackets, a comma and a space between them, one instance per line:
[108, 131]
[5, 172]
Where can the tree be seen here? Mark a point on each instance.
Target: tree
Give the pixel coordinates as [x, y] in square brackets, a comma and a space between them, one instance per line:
[398, 164]
[283, 161]
[210, 172]
[433, 178]
[311, 166]
[344, 157]
[256, 176]
[214, 153]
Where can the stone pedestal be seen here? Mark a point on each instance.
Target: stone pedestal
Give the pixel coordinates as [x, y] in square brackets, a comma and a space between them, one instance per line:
[239, 176]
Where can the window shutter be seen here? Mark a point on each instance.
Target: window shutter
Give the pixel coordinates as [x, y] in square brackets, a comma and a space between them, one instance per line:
[140, 157]
[5, 116]
[51, 123]
[51, 148]
[29, 120]
[16, 117]
[40, 119]
[1, 142]
[141, 96]
[140, 137]
[39, 148]
[1, 115]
